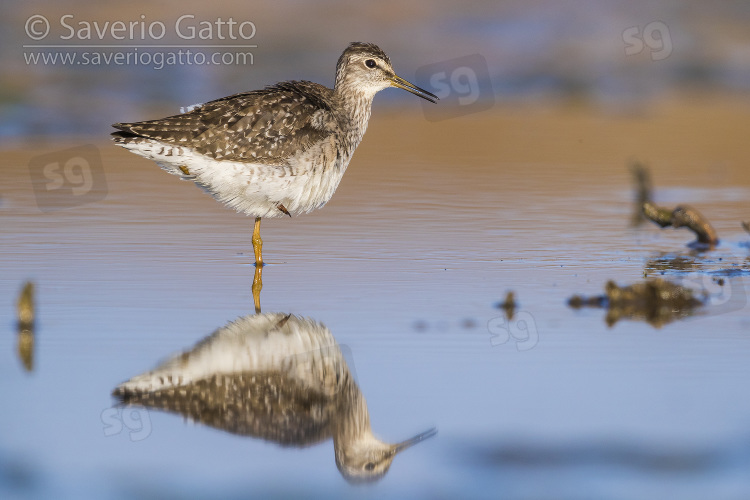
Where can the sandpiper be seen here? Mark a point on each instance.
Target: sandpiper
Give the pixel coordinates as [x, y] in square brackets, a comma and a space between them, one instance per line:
[272, 152]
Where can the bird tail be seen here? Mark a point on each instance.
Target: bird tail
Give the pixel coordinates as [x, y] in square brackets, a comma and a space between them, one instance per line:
[167, 156]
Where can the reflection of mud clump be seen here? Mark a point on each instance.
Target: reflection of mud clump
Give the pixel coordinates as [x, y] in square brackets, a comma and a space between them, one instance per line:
[683, 216]
[657, 302]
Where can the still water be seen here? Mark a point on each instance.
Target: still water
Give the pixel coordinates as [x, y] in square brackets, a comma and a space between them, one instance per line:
[400, 276]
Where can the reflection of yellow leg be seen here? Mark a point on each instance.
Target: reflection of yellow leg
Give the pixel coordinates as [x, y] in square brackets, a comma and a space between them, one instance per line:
[257, 244]
[257, 287]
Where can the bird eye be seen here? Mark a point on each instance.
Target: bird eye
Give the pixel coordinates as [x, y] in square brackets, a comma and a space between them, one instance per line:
[369, 466]
[370, 63]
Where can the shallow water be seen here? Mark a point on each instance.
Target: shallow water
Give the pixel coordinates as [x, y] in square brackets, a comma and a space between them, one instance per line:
[429, 229]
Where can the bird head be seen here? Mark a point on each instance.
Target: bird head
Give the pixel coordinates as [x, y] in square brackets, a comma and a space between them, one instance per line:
[367, 459]
[365, 69]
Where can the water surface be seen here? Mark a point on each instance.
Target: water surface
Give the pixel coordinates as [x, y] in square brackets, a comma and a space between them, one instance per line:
[431, 226]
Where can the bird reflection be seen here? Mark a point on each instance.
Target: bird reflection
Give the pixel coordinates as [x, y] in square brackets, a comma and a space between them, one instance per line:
[257, 287]
[277, 377]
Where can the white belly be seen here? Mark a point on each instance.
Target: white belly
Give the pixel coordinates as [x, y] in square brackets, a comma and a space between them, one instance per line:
[298, 348]
[305, 183]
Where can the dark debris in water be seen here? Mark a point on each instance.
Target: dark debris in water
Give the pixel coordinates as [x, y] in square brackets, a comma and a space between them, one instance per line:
[25, 306]
[656, 301]
[679, 264]
[643, 189]
[669, 263]
[683, 216]
[25, 312]
[509, 305]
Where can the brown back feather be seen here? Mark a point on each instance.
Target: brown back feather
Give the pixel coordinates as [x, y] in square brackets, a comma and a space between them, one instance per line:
[266, 126]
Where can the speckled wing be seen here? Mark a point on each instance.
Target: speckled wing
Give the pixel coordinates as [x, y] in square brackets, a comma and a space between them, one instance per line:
[262, 405]
[263, 126]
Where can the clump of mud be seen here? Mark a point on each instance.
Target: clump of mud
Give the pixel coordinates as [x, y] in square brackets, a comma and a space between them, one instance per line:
[26, 313]
[683, 216]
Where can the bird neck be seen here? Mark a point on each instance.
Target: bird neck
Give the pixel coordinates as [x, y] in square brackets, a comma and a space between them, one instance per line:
[352, 421]
[356, 107]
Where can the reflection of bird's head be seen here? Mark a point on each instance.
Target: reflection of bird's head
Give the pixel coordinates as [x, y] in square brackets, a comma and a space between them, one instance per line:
[366, 459]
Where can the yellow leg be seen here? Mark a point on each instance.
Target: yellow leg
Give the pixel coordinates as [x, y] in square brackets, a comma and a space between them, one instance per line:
[257, 287]
[257, 244]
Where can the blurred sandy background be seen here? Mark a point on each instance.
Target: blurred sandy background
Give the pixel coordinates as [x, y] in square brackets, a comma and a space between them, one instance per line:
[536, 51]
